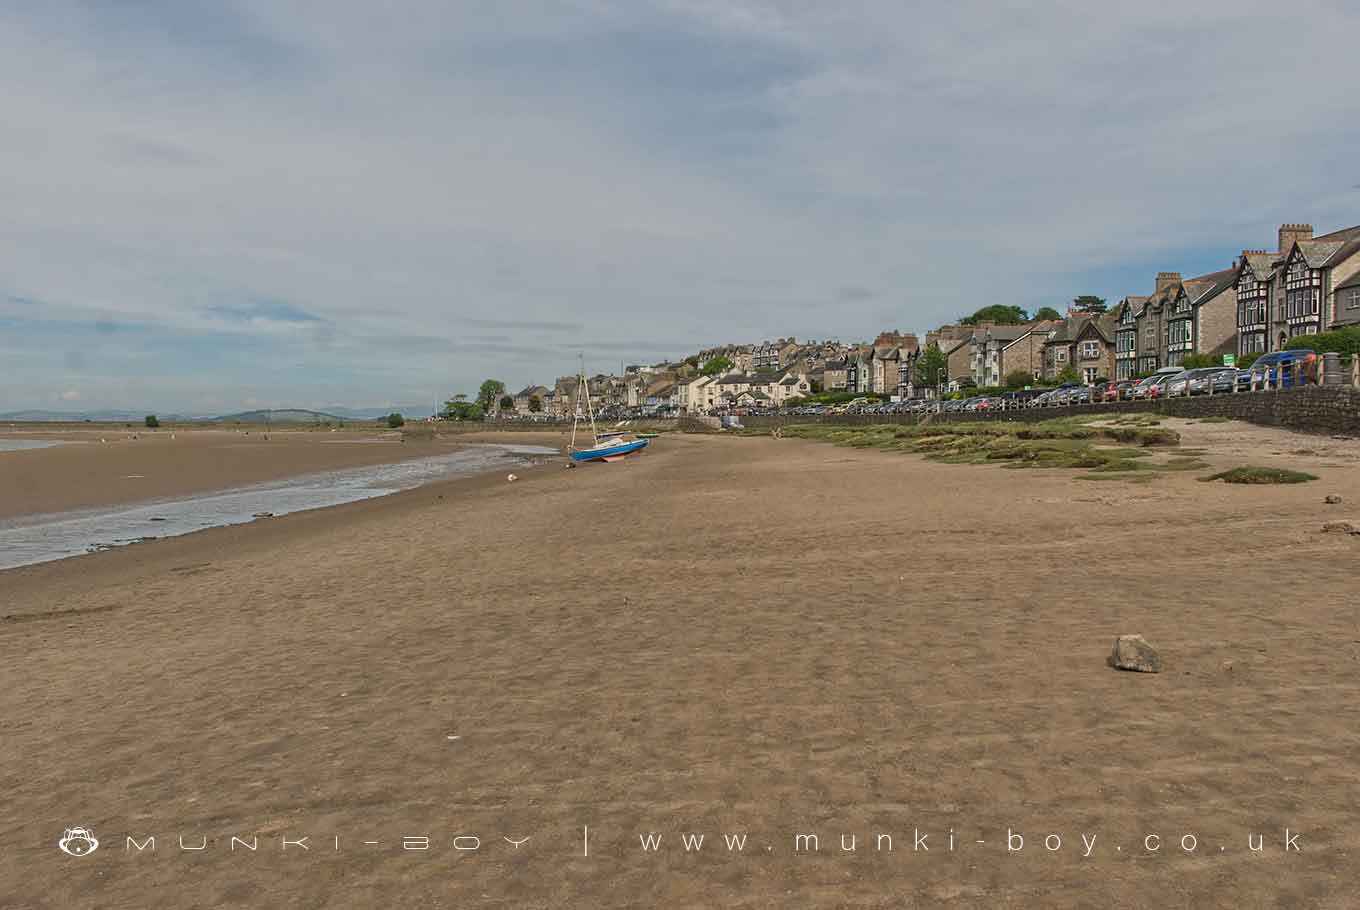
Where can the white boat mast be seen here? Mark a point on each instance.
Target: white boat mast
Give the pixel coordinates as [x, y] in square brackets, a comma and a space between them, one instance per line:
[583, 390]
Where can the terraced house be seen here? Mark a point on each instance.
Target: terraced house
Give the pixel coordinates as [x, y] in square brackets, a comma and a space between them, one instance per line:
[1308, 285]
[1085, 343]
[1183, 317]
[1126, 336]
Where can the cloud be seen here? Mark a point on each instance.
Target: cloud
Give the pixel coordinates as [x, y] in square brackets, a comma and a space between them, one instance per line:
[70, 395]
[321, 199]
[262, 311]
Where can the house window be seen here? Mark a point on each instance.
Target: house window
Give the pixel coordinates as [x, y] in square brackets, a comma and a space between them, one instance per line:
[1088, 375]
[1060, 355]
[1353, 299]
[1090, 350]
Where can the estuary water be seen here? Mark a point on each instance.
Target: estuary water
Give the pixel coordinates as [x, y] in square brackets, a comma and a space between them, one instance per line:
[30, 539]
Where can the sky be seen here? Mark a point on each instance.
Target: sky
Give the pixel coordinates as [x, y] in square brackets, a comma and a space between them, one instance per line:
[210, 206]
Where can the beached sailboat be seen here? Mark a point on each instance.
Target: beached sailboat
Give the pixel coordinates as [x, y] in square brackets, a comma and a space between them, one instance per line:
[604, 446]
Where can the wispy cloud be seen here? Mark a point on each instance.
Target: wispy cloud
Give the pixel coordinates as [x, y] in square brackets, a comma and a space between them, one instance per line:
[270, 200]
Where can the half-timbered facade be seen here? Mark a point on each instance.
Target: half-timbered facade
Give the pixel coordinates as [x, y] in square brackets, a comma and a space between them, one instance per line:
[1126, 337]
[1255, 276]
[1302, 297]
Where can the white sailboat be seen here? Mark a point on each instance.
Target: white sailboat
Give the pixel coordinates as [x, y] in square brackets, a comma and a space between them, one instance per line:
[604, 446]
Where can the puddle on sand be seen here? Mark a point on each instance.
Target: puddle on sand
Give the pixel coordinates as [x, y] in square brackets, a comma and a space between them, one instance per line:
[18, 445]
[40, 538]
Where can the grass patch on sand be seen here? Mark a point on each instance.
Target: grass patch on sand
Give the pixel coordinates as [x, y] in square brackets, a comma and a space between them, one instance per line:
[1065, 442]
[1248, 474]
[1214, 419]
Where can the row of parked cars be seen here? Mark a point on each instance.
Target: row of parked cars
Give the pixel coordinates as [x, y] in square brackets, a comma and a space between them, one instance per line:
[1274, 370]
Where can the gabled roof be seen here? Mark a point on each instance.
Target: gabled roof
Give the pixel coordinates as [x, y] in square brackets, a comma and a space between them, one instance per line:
[1206, 287]
[1351, 282]
[1007, 332]
[1262, 265]
[1326, 250]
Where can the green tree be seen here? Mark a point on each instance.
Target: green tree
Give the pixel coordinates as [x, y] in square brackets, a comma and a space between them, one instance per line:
[932, 367]
[1089, 303]
[152, 421]
[395, 420]
[489, 392]
[535, 404]
[998, 313]
[507, 403]
[716, 367]
[459, 408]
[1018, 379]
[1047, 312]
[1068, 374]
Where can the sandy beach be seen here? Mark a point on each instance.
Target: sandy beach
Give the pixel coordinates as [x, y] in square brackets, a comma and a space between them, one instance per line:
[755, 636]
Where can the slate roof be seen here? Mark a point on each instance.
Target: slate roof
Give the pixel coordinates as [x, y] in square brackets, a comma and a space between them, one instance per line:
[1206, 287]
[1351, 282]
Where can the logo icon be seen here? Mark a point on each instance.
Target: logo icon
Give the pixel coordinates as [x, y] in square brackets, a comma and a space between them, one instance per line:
[78, 842]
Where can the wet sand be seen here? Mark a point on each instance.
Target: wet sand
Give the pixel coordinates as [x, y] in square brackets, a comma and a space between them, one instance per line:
[133, 465]
[725, 635]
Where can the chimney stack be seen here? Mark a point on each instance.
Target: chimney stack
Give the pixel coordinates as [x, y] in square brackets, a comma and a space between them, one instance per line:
[1290, 233]
[1166, 280]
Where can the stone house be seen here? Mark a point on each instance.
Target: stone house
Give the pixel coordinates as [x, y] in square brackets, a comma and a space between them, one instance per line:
[1187, 316]
[524, 399]
[1305, 287]
[833, 376]
[1085, 343]
[958, 354]
[1125, 317]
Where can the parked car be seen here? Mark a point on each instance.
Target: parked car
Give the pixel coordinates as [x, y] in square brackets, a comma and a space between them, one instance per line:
[1286, 368]
[1115, 391]
[1203, 378]
[1178, 385]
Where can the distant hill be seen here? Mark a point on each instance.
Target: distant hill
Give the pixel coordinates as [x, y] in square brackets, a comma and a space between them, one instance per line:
[276, 415]
[93, 416]
[280, 415]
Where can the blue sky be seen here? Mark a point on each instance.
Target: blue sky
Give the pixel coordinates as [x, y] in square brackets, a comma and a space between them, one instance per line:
[217, 205]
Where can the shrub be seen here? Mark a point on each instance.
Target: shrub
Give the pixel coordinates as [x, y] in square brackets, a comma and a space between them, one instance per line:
[1341, 341]
[152, 421]
[395, 420]
[1248, 474]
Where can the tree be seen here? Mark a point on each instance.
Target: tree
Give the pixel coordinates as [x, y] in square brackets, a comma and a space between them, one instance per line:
[489, 392]
[535, 404]
[998, 313]
[1089, 303]
[1068, 374]
[152, 421]
[1018, 379]
[932, 367]
[507, 403]
[1047, 312]
[458, 408]
[395, 420]
[716, 366]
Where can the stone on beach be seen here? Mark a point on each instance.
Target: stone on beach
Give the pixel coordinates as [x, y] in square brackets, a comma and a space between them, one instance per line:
[1343, 526]
[1132, 652]
[1332, 499]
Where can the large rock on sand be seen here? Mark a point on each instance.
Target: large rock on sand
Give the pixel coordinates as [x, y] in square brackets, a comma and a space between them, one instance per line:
[1132, 652]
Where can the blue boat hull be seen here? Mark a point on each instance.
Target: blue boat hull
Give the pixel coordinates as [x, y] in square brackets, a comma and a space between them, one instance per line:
[615, 451]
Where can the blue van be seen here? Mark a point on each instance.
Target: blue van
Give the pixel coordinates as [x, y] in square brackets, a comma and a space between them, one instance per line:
[1298, 366]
